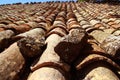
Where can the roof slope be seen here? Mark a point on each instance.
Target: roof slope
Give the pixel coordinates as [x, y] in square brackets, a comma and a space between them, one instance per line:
[60, 41]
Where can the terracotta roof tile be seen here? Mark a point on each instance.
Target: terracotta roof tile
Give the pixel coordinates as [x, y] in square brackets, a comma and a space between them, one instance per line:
[60, 41]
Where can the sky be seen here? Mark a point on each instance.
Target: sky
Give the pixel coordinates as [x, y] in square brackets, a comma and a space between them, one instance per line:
[24, 1]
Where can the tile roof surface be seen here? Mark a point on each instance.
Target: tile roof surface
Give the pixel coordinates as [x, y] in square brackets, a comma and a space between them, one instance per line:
[60, 41]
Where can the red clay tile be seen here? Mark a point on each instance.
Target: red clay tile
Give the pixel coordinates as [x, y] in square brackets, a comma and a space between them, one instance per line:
[75, 33]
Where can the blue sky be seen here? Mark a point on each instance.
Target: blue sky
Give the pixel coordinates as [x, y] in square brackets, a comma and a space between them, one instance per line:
[23, 1]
